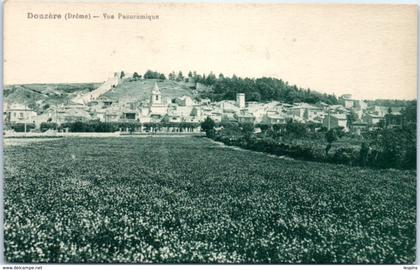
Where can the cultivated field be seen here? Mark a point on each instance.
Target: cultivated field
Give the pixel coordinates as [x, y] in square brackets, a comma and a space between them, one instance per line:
[191, 200]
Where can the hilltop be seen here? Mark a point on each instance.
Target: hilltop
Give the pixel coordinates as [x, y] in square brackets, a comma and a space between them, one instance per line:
[129, 90]
[40, 96]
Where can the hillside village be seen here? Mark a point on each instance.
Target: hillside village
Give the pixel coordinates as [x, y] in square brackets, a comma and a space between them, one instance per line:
[158, 103]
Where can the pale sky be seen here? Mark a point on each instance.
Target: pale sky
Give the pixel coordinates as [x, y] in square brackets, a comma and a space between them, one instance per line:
[365, 50]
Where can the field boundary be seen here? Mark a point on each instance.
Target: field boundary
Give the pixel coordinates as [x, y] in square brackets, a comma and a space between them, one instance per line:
[102, 134]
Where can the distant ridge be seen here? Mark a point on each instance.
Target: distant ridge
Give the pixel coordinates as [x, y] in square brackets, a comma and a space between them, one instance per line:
[40, 96]
[36, 96]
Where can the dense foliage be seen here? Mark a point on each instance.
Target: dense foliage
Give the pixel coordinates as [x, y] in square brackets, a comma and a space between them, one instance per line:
[393, 148]
[161, 126]
[178, 200]
[390, 102]
[409, 113]
[208, 127]
[22, 127]
[48, 125]
[379, 148]
[153, 75]
[265, 89]
[98, 126]
[260, 89]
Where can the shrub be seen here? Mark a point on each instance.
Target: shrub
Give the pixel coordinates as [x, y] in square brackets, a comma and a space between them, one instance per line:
[97, 126]
[46, 126]
[346, 156]
[20, 127]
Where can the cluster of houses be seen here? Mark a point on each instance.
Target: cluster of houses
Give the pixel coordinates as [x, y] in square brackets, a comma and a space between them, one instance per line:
[186, 109]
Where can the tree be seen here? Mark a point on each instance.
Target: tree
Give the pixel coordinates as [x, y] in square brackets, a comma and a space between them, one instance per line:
[247, 128]
[410, 112]
[331, 136]
[363, 154]
[208, 126]
[180, 77]
[172, 76]
[154, 75]
[148, 75]
[136, 76]
[162, 76]
[211, 79]
[254, 96]
[295, 130]
[46, 126]
[21, 127]
[393, 148]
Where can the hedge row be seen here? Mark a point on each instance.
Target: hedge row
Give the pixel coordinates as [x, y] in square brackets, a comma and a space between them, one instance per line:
[97, 126]
[364, 155]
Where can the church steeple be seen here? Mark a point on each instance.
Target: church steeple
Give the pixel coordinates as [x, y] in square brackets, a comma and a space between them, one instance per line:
[156, 97]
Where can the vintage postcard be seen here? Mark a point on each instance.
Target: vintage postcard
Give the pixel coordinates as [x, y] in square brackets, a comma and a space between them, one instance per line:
[209, 133]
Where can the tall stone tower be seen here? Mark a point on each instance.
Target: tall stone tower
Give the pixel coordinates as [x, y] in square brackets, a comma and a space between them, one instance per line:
[156, 96]
[157, 107]
[240, 100]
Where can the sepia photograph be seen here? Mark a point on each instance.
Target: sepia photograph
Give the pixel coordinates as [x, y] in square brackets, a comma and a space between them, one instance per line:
[209, 133]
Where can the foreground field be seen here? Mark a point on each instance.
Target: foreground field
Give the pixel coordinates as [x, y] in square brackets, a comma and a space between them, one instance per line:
[190, 200]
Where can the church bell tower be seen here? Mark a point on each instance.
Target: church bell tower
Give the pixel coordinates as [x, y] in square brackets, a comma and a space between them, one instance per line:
[157, 107]
[156, 97]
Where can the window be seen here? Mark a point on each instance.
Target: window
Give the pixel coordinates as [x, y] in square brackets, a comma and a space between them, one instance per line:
[157, 97]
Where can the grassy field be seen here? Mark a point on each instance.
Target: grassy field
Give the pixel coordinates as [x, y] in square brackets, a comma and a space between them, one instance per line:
[129, 90]
[176, 200]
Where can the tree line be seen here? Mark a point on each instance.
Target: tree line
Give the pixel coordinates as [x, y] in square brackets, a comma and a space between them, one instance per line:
[98, 126]
[222, 87]
[378, 148]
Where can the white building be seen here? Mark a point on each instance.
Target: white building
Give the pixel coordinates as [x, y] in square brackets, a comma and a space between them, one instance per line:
[257, 109]
[304, 111]
[240, 100]
[184, 101]
[347, 101]
[335, 121]
[18, 113]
